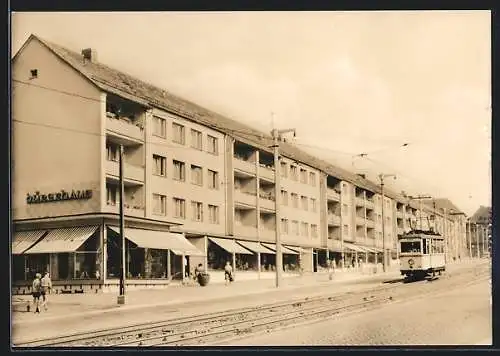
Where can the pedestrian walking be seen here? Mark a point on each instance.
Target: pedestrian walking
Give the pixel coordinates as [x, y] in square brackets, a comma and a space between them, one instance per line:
[46, 284]
[331, 269]
[228, 273]
[36, 291]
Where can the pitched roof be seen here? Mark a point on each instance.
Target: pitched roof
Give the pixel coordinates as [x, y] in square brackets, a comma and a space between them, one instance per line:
[482, 215]
[444, 203]
[113, 81]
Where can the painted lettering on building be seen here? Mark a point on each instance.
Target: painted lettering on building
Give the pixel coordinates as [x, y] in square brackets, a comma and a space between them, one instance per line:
[63, 195]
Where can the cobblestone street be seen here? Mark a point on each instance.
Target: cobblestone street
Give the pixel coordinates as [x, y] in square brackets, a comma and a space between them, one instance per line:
[461, 316]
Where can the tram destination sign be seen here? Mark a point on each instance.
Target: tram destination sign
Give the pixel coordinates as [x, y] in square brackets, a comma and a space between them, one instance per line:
[63, 195]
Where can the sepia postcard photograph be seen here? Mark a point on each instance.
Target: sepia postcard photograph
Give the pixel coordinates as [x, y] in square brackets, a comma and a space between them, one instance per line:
[250, 179]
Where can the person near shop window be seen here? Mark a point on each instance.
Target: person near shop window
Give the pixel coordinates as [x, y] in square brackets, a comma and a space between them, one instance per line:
[46, 283]
[198, 270]
[228, 273]
[36, 291]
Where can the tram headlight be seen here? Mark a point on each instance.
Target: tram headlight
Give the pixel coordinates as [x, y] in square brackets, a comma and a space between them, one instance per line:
[411, 262]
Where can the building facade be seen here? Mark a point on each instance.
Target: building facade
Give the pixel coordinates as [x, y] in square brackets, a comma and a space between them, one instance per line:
[198, 187]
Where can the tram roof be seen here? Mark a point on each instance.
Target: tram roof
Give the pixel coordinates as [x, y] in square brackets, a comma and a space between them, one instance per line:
[421, 234]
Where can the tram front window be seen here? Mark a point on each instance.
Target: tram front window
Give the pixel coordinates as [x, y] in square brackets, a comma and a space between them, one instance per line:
[410, 247]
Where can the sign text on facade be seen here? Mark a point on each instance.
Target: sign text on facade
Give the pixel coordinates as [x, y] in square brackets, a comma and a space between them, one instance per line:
[37, 198]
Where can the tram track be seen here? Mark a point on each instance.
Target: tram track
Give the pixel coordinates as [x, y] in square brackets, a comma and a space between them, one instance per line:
[214, 327]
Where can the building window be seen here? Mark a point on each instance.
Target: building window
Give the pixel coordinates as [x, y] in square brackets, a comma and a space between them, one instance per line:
[304, 202]
[196, 175]
[314, 230]
[179, 133]
[284, 226]
[295, 200]
[344, 189]
[197, 208]
[111, 194]
[303, 176]
[159, 127]
[213, 179]
[179, 208]
[346, 230]
[159, 165]
[113, 152]
[295, 227]
[345, 209]
[283, 169]
[212, 145]
[179, 170]
[196, 139]
[284, 197]
[159, 204]
[294, 173]
[312, 178]
[313, 205]
[213, 214]
[305, 229]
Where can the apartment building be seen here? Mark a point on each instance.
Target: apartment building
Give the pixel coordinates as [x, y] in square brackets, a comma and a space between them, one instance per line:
[198, 187]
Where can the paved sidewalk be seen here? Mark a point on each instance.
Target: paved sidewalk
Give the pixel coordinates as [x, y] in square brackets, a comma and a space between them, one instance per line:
[67, 305]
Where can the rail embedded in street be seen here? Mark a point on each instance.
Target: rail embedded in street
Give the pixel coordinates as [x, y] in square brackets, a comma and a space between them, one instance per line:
[230, 324]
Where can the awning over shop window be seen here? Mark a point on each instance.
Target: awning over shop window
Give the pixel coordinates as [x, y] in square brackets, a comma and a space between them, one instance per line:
[283, 248]
[255, 247]
[335, 245]
[63, 240]
[354, 247]
[230, 246]
[372, 249]
[22, 240]
[160, 240]
[296, 249]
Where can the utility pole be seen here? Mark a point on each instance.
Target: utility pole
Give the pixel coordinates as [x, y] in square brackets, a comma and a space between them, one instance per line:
[384, 255]
[420, 198]
[276, 134]
[477, 240]
[121, 296]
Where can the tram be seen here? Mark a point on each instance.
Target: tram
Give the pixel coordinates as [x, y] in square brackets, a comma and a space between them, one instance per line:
[421, 253]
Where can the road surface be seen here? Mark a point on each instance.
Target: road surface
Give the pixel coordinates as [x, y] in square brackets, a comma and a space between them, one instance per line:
[461, 316]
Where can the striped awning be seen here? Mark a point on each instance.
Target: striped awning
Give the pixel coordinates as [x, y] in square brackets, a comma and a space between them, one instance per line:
[354, 247]
[161, 240]
[63, 240]
[255, 247]
[230, 246]
[23, 240]
[296, 249]
[372, 249]
[283, 248]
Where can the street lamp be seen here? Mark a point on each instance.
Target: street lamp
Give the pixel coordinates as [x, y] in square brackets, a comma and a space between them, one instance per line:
[381, 176]
[276, 134]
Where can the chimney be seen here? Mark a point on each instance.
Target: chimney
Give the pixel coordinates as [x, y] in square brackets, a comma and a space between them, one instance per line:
[362, 175]
[89, 54]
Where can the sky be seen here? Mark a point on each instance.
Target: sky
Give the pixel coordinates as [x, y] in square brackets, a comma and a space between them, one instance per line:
[412, 90]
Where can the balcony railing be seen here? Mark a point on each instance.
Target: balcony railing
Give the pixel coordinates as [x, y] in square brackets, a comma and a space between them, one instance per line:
[131, 172]
[129, 209]
[369, 204]
[332, 194]
[244, 166]
[399, 214]
[245, 230]
[333, 220]
[360, 220]
[124, 128]
[246, 198]
[267, 201]
[267, 234]
[360, 201]
[266, 172]
[400, 231]
[370, 223]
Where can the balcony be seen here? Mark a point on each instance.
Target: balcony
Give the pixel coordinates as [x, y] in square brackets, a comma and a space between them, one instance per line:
[266, 172]
[266, 201]
[137, 211]
[245, 198]
[267, 234]
[399, 214]
[400, 231]
[124, 128]
[360, 221]
[360, 201]
[245, 230]
[244, 166]
[360, 238]
[370, 204]
[370, 223]
[131, 173]
[332, 194]
[333, 220]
